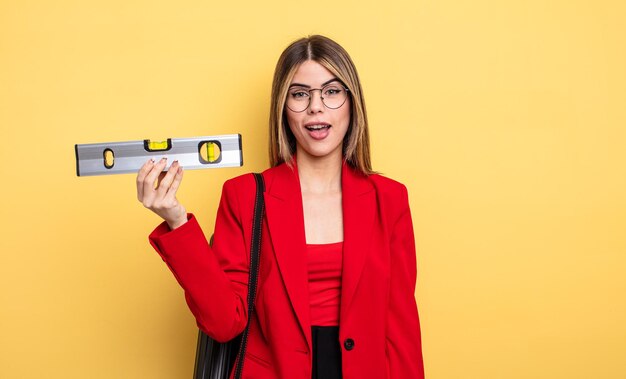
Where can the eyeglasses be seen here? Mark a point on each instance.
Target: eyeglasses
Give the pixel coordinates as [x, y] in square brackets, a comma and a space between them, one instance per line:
[333, 96]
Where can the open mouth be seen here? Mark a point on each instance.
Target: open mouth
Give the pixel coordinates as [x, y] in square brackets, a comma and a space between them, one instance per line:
[317, 127]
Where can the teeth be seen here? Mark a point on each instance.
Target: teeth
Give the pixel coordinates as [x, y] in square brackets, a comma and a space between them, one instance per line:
[317, 127]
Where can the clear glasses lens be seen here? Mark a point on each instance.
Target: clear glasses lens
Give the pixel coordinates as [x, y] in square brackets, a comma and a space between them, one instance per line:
[333, 96]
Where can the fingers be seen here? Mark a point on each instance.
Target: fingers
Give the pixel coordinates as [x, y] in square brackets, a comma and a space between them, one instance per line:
[162, 199]
[141, 176]
[149, 193]
[178, 177]
[165, 182]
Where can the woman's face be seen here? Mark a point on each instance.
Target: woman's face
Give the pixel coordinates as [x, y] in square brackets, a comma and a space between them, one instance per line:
[319, 130]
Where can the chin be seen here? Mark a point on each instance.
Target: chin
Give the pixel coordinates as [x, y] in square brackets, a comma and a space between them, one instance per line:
[321, 153]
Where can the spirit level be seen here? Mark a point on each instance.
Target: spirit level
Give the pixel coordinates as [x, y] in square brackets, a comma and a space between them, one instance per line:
[128, 157]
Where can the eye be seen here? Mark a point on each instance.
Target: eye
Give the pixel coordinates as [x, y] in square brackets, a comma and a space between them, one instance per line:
[334, 90]
[299, 94]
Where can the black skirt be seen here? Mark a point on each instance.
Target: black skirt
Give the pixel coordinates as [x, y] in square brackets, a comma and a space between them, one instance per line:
[326, 352]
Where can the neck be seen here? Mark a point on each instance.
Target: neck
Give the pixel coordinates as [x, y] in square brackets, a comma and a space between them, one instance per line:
[319, 174]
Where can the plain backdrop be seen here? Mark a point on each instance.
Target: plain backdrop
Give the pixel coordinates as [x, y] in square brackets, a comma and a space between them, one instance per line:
[505, 119]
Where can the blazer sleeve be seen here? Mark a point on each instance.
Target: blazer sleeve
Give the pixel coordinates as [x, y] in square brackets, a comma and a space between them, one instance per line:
[215, 279]
[404, 347]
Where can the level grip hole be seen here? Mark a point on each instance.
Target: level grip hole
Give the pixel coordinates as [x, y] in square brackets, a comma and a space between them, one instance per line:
[109, 158]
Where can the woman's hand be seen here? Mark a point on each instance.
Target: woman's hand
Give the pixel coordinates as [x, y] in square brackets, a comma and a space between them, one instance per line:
[162, 199]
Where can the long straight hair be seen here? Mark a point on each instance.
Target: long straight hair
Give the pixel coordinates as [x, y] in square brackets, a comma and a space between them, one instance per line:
[328, 53]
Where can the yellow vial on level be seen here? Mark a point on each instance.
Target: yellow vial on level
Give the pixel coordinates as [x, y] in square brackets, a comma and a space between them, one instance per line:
[157, 145]
[211, 151]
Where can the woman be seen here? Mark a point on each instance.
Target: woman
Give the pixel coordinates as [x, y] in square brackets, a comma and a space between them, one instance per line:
[337, 271]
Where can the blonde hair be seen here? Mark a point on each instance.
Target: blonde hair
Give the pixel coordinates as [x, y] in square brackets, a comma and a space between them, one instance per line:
[328, 53]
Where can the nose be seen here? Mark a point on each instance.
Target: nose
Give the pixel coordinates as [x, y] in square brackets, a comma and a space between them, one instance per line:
[315, 104]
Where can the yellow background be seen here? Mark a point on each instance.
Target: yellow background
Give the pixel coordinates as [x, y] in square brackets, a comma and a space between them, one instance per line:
[506, 120]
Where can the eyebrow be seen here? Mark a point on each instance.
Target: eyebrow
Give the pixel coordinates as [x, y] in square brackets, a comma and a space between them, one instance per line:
[307, 86]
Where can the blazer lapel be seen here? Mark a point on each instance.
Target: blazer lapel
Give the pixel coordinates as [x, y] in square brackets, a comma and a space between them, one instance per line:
[285, 218]
[359, 211]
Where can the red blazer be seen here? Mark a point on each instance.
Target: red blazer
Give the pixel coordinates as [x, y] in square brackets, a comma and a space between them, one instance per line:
[379, 327]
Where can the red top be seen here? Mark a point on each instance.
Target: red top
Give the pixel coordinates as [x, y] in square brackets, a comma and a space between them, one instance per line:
[324, 265]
